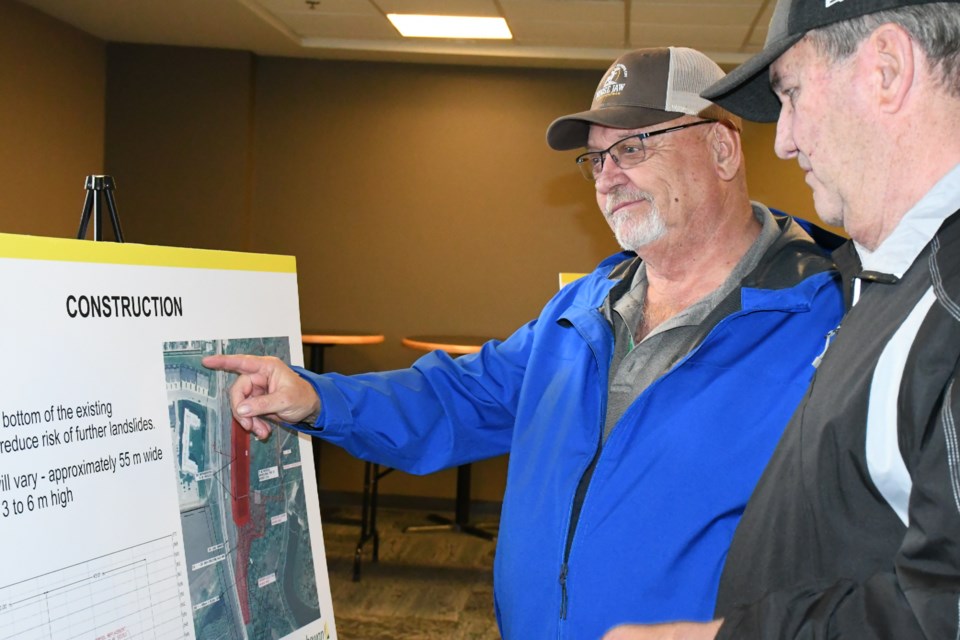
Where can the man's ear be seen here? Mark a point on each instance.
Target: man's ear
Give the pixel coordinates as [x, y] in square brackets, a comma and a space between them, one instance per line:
[891, 58]
[727, 151]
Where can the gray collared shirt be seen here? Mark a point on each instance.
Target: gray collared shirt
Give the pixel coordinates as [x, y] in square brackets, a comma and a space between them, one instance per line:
[636, 366]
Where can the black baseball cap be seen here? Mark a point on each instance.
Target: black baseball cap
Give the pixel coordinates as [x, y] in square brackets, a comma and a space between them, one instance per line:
[641, 88]
[746, 90]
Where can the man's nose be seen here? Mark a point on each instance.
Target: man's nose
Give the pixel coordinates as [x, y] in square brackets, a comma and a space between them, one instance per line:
[784, 145]
[610, 175]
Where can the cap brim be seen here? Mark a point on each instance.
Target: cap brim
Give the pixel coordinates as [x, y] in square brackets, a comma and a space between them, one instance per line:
[571, 132]
[746, 90]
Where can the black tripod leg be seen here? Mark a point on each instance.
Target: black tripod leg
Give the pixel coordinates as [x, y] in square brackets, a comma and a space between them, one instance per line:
[97, 214]
[114, 217]
[85, 215]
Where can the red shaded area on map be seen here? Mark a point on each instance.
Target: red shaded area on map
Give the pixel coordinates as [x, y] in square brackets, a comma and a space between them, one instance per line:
[250, 522]
[240, 474]
[249, 512]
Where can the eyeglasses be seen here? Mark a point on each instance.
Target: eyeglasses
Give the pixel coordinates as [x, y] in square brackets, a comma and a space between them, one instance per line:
[625, 153]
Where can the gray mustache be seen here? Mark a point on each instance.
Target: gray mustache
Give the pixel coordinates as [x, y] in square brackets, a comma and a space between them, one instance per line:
[618, 196]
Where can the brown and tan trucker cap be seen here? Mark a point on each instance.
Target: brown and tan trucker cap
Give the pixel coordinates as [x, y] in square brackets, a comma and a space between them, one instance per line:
[641, 88]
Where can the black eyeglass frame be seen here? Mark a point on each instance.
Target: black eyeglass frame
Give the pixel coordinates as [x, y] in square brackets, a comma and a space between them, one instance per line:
[587, 169]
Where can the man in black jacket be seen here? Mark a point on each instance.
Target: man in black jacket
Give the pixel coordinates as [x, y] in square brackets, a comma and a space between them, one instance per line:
[854, 528]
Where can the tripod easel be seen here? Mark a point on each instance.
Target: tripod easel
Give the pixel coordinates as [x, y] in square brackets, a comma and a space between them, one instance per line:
[99, 188]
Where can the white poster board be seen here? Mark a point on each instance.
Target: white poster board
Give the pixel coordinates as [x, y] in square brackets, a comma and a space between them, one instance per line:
[130, 504]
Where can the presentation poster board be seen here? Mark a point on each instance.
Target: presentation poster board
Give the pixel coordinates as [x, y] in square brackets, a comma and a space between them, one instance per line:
[131, 504]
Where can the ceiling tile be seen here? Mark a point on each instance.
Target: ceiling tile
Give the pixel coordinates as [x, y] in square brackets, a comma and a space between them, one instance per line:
[757, 37]
[568, 34]
[708, 14]
[572, 12]
[767, 13]
[330, 18]
[359, 27]
[322, 7]
[759, 34]
[704, 38]
[483, 8]
[638, 4]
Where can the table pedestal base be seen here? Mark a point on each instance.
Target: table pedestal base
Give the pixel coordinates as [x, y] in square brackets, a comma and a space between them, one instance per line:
[446, 524]
[461, 522]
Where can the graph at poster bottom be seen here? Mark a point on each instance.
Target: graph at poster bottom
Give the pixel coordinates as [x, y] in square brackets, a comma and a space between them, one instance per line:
[135, 592]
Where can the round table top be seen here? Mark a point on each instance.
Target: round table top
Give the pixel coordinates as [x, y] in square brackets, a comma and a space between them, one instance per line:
[457, 345]
[341, 337]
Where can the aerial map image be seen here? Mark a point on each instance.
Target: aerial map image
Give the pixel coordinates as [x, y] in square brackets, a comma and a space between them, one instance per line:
[246, 537]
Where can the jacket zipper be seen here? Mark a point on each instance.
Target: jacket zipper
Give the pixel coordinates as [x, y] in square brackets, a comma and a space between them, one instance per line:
[827, 340]
[563, 591]
[584, 478]
[581, 491]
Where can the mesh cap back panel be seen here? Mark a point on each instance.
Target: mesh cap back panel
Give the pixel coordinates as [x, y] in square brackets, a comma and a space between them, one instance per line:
[690, 73]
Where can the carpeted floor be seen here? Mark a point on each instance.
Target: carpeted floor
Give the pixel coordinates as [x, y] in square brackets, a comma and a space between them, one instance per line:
[426, 586]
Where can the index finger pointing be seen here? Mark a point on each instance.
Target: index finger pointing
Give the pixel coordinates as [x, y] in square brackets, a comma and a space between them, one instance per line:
[234, 364]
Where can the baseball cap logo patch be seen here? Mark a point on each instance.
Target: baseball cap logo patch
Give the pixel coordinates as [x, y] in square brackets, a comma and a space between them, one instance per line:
[614, 84]
[829, 3]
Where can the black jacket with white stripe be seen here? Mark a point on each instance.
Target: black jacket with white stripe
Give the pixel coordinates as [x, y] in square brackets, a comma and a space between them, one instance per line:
[854, 528]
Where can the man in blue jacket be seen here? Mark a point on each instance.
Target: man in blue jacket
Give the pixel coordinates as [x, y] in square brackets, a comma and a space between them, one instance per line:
[641, 406]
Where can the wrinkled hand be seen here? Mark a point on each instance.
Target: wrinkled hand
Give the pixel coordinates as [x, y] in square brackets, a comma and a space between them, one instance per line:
[266, 390]
[671, 631]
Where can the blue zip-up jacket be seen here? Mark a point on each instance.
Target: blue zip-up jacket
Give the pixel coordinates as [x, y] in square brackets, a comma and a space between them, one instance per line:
[671, 481]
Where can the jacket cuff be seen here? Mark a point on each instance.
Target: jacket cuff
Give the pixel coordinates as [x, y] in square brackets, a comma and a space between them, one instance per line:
[335, 416]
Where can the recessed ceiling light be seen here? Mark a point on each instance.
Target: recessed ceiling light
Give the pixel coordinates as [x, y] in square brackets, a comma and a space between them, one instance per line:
[424, 26]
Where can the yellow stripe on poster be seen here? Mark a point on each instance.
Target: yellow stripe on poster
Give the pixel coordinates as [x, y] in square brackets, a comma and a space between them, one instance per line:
[566, 277]
[65, 250]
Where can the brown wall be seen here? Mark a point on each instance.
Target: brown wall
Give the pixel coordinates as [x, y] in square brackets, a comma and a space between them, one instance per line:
[51, 120]
[416, 198]
[420, 199]
[178, 140]
[775, 182]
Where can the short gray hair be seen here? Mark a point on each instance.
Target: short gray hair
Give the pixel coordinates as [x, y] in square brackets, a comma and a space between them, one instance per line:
[935, 27]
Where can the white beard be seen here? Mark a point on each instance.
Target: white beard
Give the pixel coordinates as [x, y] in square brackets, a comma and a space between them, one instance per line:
[631, 230]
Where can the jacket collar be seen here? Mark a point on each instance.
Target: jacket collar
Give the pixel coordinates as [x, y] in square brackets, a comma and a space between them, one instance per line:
[791, 259]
